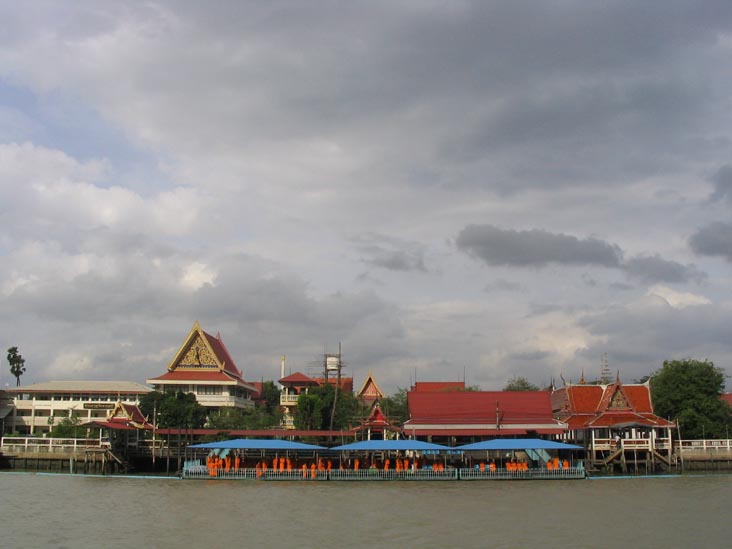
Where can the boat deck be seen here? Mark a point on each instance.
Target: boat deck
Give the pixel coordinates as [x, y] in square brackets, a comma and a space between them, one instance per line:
[201, 472]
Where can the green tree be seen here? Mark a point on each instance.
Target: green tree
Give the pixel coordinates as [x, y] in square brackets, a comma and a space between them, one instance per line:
[69, 427]
[308, 414]
[258, 417]
[689, 391]
[17, 364]
[151, 404]
[178, 410]
[270, 397]
[395, 407]
[520, 384]
[314, 409]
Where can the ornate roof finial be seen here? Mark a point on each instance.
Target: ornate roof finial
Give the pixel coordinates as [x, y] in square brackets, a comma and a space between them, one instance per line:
[582, 379]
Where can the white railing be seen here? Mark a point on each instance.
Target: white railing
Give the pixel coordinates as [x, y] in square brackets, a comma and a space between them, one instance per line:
[288, 399]
[195, 470]
[537, 473]
[223, 400]
[49, 445]
[711, 447]
[632, 444]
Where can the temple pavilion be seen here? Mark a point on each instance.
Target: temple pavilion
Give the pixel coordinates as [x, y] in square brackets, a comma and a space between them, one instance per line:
[616, 424]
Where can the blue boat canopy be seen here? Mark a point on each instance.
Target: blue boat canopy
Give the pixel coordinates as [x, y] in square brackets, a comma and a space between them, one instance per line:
[518, 444]
[378, 445]
[258, 444]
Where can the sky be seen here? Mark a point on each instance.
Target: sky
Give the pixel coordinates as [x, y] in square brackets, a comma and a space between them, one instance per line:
[448, 190]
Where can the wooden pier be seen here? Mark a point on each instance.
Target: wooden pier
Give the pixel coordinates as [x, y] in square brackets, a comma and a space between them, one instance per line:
[82, 456]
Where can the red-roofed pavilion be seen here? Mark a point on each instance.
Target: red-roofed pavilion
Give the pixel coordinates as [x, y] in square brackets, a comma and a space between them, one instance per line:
[616, 423]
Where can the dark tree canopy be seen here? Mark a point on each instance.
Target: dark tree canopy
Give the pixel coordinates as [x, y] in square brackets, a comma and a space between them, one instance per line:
[313, 410]
[395, 407]
[173, 410]
[270, 397]
[520, 384]
[689, 391]
[17, 364]
[258, 417]
[69, 427]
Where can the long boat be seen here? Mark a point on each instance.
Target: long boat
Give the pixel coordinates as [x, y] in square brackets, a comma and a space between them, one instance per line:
[404, 460]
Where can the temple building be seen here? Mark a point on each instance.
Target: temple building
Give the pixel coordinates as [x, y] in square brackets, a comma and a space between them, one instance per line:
[377, 426]
[369, 393]
[441, 413]
[204, 367]
[616, 424]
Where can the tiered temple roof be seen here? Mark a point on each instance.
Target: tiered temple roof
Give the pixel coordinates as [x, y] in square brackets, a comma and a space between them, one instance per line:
[202, 359]
[615, 405]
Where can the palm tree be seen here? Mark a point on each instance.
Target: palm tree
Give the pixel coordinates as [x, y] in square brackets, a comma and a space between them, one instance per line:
[17, 364]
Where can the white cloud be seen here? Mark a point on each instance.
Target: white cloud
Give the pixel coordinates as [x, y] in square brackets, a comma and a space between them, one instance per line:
[677, 300]
[196, 275]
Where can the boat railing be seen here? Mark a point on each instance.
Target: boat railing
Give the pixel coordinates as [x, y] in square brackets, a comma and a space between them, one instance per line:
[393, 474]
[195, 470]
[531, 473]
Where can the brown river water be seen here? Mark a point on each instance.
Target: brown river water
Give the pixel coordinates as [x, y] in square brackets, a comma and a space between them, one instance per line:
[46, 510]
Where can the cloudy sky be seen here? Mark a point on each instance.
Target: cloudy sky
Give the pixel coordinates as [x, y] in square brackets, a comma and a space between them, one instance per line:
[457, 188]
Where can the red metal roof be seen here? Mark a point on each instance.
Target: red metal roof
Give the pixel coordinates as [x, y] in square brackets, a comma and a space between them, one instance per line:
[346, 382]
[480, 413]
[133, 413]
[480, 406]
[298, 378]
[217, 344]
[195, 375]
[472, 432]
[117, 425]
[437, 386]
[727, 397]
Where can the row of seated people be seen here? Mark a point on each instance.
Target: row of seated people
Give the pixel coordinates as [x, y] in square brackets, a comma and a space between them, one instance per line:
[216, 465]
[511, 466]
[555, 464]
[514, 466]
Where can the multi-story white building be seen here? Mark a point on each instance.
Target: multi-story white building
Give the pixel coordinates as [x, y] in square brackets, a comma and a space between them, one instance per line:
[35, 409]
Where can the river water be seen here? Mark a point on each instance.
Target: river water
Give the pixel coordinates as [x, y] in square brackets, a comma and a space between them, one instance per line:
[46, 510]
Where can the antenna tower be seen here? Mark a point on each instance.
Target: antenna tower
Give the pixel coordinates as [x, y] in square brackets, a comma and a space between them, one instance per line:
[605, 375]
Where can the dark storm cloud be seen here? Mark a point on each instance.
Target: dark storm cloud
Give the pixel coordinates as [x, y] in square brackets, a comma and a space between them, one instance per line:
[713, 240]
[650, 269]
[534, 248]
[722, 184]
[390, 253]
[538, 248]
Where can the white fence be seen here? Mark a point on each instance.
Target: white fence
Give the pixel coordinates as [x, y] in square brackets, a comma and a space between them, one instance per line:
[721, 447]
[50, 445]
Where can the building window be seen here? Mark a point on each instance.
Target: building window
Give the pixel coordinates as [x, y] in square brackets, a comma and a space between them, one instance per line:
[210, 390]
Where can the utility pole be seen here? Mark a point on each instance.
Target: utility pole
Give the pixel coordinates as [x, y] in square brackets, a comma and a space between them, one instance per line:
[339, 365]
